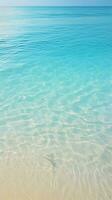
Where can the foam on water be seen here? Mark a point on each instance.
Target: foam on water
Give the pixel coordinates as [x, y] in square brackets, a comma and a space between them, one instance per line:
[56, 103]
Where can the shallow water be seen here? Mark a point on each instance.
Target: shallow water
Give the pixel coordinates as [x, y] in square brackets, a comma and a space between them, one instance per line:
[56, 103]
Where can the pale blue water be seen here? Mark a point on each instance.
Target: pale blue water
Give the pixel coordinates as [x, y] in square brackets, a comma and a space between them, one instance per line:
[56, 90]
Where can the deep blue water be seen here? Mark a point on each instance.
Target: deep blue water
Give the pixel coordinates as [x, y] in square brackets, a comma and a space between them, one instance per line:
[56, 86]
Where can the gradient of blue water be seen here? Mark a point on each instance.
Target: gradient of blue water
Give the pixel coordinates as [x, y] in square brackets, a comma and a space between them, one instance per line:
[56, 82]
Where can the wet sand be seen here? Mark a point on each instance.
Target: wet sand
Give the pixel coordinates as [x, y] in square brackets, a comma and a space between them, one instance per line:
[28, 173]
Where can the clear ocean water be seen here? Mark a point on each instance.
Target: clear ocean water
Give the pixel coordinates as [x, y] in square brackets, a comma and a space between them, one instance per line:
[56, 103]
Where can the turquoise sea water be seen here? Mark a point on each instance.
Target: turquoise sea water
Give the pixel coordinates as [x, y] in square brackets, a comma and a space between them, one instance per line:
[56, 97]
